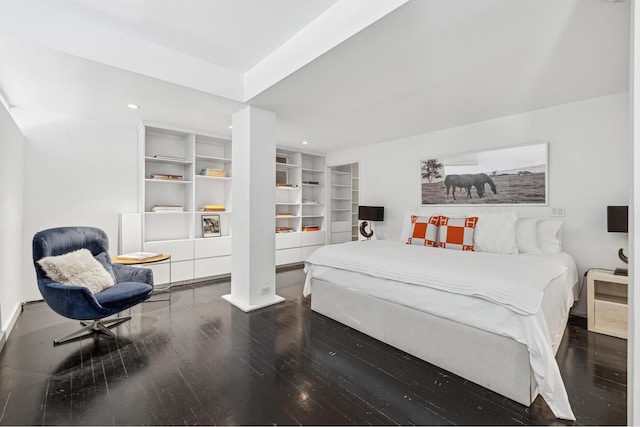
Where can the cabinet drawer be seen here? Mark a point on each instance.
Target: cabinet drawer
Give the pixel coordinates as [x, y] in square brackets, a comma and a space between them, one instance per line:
[308, 250]
[180, 250]
[288, 256]
[611, 316]
[340, 226]
[311, 238]
[212, 247]
[287, 240]
[212, 266]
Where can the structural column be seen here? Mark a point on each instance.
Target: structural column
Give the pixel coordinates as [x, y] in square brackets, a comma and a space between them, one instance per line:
[253, 277]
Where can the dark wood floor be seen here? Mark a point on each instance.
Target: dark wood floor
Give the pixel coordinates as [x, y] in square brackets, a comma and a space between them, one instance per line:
[200, 360]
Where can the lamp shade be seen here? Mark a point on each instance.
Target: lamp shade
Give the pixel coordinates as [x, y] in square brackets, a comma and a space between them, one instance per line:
[618, 219]
[371, 213]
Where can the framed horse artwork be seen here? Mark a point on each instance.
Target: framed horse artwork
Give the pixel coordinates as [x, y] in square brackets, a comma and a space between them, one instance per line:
[515, 175]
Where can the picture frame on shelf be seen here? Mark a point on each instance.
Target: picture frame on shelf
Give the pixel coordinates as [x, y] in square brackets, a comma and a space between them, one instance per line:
[282, 159]
[211, 226]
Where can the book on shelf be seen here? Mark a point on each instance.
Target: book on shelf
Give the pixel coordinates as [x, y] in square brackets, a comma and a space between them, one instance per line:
[138, 255]
[284, 214]
[284, 229]
[167, 208]
[166, 176]
[286, 185]
[213, 172]
[163, 157]
[311, 228]
[311, 182]
[212, 208]
[309, 202]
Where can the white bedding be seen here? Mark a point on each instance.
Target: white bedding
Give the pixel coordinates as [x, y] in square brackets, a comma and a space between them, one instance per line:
[541, 330]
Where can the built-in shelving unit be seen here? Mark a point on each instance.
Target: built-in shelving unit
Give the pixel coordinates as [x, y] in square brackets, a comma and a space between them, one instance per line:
[183, 175]
[300, 203]
[344, 203]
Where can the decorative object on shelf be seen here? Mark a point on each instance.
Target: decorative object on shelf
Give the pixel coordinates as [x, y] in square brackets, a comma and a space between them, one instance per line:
[211, 226]
[138, 255]
[213, 172]
[369, 213]
[167, 208]
[166, 176]
[618, 222]
[163, 157]
[311, 182]
[287, 185]
[281, 159]
[514, 175]
[212, 208]
[281, 178]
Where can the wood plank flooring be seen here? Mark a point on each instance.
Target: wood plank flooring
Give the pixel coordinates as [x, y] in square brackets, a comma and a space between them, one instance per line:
[198, 360]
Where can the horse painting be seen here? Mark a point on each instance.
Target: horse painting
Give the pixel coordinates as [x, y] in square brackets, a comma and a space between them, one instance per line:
[467, 181]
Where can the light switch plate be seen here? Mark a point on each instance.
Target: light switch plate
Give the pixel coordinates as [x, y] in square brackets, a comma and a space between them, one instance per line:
[557, 211]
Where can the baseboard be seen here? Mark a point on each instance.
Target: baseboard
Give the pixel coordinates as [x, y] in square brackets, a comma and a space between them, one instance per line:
[12, 321]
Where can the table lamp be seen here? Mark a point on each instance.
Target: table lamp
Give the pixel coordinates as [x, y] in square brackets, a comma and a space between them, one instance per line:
[618, 222]
[366, 214]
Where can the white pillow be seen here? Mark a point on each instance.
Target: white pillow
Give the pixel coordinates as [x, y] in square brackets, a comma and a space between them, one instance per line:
[527, 236]
[77, 268]
[407, 226]
[496, 232]
[549, 240]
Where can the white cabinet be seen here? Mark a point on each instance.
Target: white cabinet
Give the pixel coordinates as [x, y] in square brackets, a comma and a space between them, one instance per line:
[184, 176]
[607, 305]
[300, 204]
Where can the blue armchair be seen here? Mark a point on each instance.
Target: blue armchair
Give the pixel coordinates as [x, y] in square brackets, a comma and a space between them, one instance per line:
[132, 285]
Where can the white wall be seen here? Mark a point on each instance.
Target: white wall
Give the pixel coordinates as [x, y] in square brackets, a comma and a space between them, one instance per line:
[11, 157]
[77, 172]
[590, 167]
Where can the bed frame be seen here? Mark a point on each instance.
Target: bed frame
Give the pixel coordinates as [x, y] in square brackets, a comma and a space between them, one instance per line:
[492, 361]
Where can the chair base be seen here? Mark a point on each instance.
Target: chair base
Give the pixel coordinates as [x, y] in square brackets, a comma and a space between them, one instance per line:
[101, 327]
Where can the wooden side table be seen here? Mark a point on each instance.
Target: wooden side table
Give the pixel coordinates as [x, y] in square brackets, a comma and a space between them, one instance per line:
[148, 260]
[607, 305]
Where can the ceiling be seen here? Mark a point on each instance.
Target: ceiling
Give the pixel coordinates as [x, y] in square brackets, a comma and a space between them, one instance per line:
[338, 73]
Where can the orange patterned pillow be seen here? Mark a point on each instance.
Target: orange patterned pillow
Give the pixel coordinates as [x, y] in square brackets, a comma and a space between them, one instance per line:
[424, 230]
[457, 233]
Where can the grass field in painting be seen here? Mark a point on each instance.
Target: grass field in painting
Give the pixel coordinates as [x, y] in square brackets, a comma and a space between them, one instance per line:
[510, 189]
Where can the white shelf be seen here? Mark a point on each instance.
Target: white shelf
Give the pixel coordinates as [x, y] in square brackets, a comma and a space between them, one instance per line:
[213, 158]
[304, 184]
[287, 216]
[169, 181]
[287, 166]
[169, 213]
[311, 170]
[214, 178]
[152, 159]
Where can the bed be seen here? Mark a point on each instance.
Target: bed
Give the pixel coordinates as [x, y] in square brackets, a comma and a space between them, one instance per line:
[494, 319]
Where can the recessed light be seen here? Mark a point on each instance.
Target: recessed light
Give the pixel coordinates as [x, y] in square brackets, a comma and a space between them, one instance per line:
[305, 142]
[133, 106]
[230, 127]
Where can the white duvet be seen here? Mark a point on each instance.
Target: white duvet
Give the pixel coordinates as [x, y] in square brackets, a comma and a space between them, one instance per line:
[523, 297]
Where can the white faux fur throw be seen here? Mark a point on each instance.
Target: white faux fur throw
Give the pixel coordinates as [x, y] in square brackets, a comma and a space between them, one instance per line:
[77, 268]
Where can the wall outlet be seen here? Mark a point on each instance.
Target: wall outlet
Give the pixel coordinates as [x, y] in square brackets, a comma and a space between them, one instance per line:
[557, 210]
[265, 290]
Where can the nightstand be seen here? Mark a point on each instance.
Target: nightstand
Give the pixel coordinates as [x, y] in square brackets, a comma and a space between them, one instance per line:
[607, 308]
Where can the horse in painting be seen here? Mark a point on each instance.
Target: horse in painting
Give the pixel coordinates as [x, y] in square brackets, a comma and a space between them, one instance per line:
[466, 181]
[458, 181]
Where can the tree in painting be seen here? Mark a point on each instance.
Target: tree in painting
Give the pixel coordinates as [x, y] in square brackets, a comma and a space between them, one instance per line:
[431, 169]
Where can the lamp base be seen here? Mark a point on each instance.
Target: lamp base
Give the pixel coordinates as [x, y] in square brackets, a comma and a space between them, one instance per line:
[621, 272]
